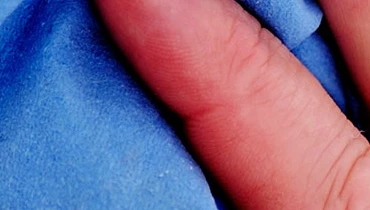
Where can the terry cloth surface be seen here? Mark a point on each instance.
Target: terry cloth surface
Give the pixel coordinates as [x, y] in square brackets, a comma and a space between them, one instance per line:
[291, 20]
[6, 7]
[77, 131]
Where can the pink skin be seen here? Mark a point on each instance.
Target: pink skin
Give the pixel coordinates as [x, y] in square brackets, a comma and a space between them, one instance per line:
[349, 20]
[258, 120]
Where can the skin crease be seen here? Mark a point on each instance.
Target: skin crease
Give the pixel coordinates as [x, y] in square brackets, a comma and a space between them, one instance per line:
[257, 119]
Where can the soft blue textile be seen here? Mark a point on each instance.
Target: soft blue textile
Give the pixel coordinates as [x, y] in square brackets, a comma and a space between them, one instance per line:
[314, 53]
[6, 7]
[291, 20]
[78, 132]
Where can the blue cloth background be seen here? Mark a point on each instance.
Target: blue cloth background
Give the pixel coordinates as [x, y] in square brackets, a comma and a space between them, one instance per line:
[77, 129]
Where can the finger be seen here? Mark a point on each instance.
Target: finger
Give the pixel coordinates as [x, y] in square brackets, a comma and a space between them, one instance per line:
[350, 21]
[259, 121]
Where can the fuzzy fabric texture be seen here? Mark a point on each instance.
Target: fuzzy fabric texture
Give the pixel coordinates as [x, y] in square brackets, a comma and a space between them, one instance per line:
[292, 21]
[78, 131]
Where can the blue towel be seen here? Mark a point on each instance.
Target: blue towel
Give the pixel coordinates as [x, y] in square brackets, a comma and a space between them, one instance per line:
[79, 131]
[292, 21]
[7, 7]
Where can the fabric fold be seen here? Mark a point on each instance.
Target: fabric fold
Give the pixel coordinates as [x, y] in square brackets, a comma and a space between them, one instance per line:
[292, 21]
[77, 131]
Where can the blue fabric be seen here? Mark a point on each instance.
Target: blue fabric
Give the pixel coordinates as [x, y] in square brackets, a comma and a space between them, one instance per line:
[315, 54]
[77, 130]
[292, 21]
[6, 7]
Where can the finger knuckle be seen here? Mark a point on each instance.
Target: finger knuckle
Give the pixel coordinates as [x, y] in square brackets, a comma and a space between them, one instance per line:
[347, 177]
[261, 72]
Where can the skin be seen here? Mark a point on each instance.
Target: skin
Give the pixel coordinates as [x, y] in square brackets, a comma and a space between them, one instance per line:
[256, 118]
